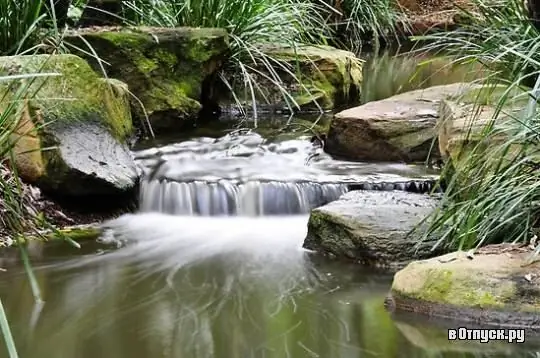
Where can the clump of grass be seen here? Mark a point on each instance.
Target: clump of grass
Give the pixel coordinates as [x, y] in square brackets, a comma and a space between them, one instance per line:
[493, 193]
[27, 26]
[19, 21]
[253, 26]
[22, 32]
[390, 73]
[355, 21]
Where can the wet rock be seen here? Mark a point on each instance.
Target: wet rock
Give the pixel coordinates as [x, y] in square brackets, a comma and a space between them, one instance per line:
[71, 136]
[329, 77]
[372, 228]
[499, 285]
[399, 128]
[164, 67]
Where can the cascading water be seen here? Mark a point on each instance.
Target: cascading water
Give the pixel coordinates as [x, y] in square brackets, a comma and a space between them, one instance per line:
[243, 174]
[252, 198]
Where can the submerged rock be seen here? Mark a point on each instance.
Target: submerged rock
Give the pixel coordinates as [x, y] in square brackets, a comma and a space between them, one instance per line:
[372, 228]
[325, 76]
[70, 137]
[499, 285]
[399, 128]
[164, 67]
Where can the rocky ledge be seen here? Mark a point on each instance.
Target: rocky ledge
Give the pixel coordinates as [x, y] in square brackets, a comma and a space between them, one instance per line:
[371, 228]
[398, 128]
[165, 69]
[498, 285]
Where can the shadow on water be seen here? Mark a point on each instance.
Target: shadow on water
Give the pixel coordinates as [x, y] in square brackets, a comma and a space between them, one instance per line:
[214, 287]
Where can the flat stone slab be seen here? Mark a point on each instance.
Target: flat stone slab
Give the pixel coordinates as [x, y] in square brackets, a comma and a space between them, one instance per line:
[93, 161]
[371, 227]
[499, 285]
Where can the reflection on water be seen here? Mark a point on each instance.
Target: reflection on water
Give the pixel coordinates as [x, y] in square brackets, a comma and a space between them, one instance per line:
[211, 287]
[397, 71]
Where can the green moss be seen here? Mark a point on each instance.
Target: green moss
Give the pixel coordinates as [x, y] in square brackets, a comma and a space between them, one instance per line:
[124, 39]
[444, 286]
[166, 58]
[438, 285]
[164, 68]
[75, 233]
[76, 94]
[326, 74]
[144, 64]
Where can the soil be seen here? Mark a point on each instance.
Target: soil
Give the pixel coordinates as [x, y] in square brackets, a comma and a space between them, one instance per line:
[34, 201]
[427, 14]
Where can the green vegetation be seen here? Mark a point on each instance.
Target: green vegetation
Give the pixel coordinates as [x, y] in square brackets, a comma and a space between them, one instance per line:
[257, 27]
[354, 21]
[493, 189]
[252, 25]
[21, 32]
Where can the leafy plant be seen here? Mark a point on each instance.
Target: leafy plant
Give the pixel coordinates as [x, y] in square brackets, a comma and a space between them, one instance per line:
[493, 190]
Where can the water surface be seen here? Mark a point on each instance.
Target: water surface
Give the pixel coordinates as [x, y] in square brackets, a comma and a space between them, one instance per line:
[223, 287]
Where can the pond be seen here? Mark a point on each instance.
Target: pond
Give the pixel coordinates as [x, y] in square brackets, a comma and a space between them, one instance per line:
[213, 265]
[214, 287]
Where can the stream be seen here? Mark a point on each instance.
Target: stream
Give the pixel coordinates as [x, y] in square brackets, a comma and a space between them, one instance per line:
[212, 265]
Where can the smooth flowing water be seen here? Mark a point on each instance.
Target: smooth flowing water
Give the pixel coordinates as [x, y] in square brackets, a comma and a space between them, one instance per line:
[213, 267]
[224, 287]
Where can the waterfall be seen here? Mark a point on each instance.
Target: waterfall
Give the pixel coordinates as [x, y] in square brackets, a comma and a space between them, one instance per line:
[243, 174]
[253, 198]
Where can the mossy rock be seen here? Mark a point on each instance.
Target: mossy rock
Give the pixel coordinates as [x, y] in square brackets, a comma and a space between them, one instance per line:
[498, 285]
[164, 67]
[71, 130]
[324, 75]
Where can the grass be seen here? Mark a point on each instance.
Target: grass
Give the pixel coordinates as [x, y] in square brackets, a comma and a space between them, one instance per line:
[493, 192]
[252, 25]
[389, 73]
[354, 21]
[21, 32]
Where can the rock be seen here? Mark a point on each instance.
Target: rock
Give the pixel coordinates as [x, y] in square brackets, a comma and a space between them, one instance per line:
[462, 121]
[330, 77]
[498, 285]
[371, 227]
[164, 67]
[399, 128]
[70, 138]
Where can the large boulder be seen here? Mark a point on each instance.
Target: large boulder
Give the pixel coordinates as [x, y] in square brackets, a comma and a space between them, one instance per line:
[499, 284]
[463, 121]
[312, 75]
[371, 227]
[164, 67]
[399, 128]
[70, 133]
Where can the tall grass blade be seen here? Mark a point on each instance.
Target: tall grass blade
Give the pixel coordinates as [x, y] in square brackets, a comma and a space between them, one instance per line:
[6, 332]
